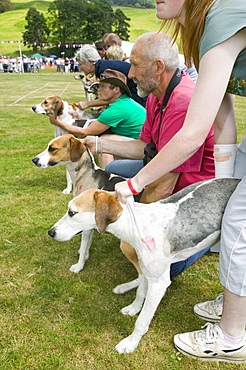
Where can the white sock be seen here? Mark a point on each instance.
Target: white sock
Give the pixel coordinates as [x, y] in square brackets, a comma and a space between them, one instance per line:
[224, 158]
[232, 340]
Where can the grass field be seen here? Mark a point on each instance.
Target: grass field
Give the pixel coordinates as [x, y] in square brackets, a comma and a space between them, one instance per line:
[50, 318]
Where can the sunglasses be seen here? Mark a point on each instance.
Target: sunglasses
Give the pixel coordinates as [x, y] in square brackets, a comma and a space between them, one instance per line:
[102, 76]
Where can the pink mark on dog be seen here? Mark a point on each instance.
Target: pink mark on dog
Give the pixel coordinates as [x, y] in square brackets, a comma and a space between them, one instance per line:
[80, 189]
[149, 241]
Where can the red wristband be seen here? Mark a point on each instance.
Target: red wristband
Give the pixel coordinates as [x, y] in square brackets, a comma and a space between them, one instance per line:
[129, 183]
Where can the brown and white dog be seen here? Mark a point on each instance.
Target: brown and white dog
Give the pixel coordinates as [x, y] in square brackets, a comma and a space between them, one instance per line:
[161, 233]
[85, 174]
[90, 84]
[62, 109]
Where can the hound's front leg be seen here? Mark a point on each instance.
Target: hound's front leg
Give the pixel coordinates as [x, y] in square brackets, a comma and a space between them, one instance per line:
[86, 241]
[155, 292]
[69, 187]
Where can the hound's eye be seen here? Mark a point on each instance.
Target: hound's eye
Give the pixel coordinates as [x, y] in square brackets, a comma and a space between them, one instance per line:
[45, 102]
[72, 213]
[51, 149]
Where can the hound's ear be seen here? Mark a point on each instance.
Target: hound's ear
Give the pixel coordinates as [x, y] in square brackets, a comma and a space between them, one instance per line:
[59, 106]
[77, 149]
[107, 210]
[73, 105]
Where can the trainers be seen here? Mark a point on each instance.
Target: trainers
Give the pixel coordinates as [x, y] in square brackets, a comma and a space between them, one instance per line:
[209, 345]
[211, 310]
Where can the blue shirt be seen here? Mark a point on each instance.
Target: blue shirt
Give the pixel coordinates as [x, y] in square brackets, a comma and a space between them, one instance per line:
[123, 67]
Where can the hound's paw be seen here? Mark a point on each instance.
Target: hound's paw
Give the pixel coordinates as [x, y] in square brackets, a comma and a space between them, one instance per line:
[123, 288]
[131, 310]
[127, 345]
[76, 268]
[66, 191]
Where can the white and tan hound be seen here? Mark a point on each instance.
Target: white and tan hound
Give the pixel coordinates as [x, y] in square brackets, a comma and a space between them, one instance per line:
[163, 232]
[85, 174]
[63, 110]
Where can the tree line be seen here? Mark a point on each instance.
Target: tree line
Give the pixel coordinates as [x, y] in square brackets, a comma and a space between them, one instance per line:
[5, 5]
[134, 3]
[74, 22]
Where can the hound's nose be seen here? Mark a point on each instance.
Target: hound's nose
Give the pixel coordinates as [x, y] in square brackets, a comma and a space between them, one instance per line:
[35, 160]
[52, 232]
[34, 108]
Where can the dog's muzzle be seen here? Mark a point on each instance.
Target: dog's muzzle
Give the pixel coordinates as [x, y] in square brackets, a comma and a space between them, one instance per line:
[35, 160]
[52, 232]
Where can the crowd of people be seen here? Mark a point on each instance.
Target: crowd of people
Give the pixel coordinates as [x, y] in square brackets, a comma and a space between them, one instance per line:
[34, 64]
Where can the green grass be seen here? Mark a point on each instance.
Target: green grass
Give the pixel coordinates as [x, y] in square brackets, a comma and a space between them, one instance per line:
[50, 318]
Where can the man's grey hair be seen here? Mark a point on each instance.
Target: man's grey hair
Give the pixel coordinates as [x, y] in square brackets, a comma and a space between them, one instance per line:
[86, 53]
[158, 45]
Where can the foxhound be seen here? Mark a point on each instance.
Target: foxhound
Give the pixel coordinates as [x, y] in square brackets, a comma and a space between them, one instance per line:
[90, 84]
[163, 232]
[63, 110]
[85, 174]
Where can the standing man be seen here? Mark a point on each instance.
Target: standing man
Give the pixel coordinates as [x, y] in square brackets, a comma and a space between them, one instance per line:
[113, 39]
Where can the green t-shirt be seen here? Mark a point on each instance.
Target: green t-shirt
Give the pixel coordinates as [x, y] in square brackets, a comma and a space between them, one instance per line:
[125, 116]
[224, 19]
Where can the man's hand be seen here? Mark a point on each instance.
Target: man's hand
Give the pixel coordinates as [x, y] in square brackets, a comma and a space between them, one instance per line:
[75, 115]
[90, 142]
[83, 105]
[52, 119]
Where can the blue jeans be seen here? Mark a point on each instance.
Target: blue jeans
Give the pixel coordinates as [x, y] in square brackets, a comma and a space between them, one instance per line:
[129, 168]
[125, 167]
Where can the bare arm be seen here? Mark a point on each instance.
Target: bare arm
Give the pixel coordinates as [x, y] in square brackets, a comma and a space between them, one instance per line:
[225, 123]
[95, 127]
[92, 103]
[161, 188]
[133, 149]
[214, 70]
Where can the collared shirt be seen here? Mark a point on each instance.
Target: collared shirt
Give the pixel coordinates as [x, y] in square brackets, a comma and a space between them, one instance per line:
[123, 67]
[201, 165]
[125, 117]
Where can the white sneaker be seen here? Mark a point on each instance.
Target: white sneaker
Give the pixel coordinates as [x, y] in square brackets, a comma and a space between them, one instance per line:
[210, 310]
[209, 345]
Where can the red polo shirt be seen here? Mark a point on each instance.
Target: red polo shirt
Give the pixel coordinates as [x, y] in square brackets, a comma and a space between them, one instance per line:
[201, 165]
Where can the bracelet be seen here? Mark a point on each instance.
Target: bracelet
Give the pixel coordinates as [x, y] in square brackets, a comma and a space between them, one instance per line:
[129, 183]
[96, 144]
[101, 146]
[101, 141]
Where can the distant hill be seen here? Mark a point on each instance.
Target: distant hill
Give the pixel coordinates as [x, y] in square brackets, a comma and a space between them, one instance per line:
[12, 24]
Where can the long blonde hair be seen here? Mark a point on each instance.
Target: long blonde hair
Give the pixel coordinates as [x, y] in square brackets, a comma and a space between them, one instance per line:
[191, 32]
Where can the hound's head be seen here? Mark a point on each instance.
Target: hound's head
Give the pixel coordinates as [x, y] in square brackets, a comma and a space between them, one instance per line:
[93, 88]
[60, 150]
[79, 77]
[51, 105]
[92, 209]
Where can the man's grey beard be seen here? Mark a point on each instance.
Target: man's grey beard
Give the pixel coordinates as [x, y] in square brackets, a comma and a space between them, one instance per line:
[147, 85]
